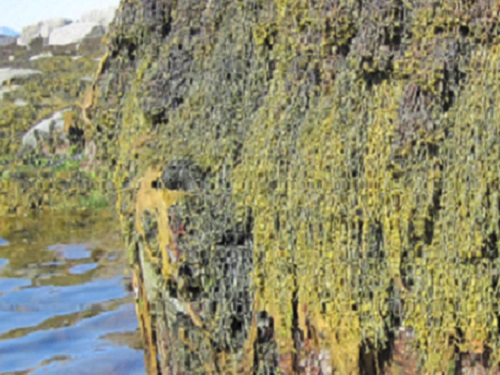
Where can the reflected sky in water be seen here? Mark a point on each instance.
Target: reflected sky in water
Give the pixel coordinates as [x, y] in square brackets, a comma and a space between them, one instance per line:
[64, 303]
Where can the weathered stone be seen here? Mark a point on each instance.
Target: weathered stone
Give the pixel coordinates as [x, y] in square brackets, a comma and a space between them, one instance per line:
[28, 34]
[7, 74]
[20, 103]
[102, 16]
[43, 128]
[182, 175]
[75, 33]
[50, 25]
[41, 56]
[41, 29]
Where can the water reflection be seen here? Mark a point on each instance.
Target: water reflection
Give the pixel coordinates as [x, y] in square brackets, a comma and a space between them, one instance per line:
[64, 302]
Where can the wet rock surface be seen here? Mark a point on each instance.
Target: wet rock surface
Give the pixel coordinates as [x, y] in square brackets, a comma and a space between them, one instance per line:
[353, 133]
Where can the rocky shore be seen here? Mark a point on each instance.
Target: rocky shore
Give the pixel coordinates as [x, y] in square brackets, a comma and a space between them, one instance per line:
[302, 187]
[44, 159]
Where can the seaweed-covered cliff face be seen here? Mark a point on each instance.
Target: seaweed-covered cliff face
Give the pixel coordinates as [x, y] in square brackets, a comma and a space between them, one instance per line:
[308, 185]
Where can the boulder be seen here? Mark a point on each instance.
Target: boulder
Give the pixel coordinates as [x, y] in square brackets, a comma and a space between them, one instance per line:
[43, 128]
[75, 33]
[6, 74]
[41, 29]
[6, 90]
[41, 56]
[28, 34]
[20, 102]
[50, 25]
[102, 16]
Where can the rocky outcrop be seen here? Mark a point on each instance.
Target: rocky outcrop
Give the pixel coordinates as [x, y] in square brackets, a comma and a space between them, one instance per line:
[361, 139]
[42, 30]
[43, 55]
[91, 25]
[102, 16]
[8, 74]
[75, 33]
[48, 26]
[44, 129]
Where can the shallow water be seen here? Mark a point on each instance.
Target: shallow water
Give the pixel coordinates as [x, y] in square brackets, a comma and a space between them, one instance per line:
[65, 300]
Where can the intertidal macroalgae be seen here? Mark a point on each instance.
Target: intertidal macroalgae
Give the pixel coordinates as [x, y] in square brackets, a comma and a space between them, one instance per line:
[348, 210]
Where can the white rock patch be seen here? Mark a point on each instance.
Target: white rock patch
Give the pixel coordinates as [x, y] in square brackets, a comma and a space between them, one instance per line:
[75, 33]
[102, 16]
[7, 74]
[44, 127]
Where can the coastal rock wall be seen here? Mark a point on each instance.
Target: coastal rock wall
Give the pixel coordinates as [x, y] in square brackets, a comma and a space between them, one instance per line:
[346, 156]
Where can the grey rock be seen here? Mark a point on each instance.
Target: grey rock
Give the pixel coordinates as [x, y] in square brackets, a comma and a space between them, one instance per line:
[41, 29]
[7, 40]
[75, 33]
[28, 34]
[102, 16]
[7, 74]
[20, 102]
[182, 174]
[41, 56]
[43, 129]
[50, 25]
[5, 90]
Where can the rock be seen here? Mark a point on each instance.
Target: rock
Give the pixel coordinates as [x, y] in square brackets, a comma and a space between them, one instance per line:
[102, 16]
[5, 90]
[183, 175]
[7, 40]
[20, 102]
[75, 33]
[41, 56]
[42, 30]
[43, 129]
[50, 25]
[28, 34]
[7, 74]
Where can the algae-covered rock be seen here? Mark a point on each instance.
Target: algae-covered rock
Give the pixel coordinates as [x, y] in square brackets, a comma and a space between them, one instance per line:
[353, 146]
